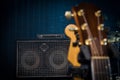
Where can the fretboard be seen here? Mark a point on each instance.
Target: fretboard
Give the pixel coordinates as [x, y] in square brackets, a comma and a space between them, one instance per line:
[101, 69]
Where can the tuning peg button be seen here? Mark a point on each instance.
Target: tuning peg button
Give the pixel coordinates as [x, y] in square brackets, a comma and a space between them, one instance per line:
[98, 13]
[104, 41]
[68, 14]
[80, 12]
[88, 41]
[101, 27]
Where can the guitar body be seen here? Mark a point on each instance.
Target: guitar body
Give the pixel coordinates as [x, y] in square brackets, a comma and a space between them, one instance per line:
[73, 51]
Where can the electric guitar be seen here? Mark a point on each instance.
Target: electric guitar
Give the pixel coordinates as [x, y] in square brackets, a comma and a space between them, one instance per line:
[89, 23]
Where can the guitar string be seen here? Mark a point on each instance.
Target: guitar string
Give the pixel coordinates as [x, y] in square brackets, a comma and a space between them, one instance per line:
[96, 53]
[100, 37]
[106, 69]
[96, 74]
[100, 61]
[90, 36]
[103, 62]
[101, 52]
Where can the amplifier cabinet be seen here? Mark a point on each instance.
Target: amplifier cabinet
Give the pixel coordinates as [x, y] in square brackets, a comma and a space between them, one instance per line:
[42, 58]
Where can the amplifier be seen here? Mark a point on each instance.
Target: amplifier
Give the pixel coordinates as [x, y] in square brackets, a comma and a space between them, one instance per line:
[42, 58]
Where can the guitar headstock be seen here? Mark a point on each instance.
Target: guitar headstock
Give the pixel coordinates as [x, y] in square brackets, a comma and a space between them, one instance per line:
[87, 14]
[71, 31]
[90, 22]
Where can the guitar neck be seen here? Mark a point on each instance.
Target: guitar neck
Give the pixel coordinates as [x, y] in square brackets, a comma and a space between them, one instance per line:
[101, 69]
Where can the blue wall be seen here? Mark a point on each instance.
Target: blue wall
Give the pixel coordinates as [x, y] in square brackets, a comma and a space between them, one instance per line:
[24, 19]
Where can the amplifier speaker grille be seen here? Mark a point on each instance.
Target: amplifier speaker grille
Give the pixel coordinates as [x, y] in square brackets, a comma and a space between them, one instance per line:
[42, 58]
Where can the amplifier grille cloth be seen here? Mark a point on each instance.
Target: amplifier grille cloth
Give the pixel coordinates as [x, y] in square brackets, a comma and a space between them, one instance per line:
[42, 58]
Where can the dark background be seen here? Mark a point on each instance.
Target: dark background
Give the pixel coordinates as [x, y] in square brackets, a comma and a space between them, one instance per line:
[24, 19]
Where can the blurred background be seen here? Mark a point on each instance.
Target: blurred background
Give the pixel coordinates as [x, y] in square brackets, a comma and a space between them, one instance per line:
[24, 19]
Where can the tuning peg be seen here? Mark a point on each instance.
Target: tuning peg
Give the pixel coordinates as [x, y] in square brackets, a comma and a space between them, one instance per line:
[73, 29]
[98, 13]
[79, 44]
[68, 14]
[88, 41]
[84, 26]
[80, 12]
[114, 39]
[104, 41]
[118, 39]
[101, 27]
